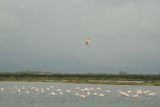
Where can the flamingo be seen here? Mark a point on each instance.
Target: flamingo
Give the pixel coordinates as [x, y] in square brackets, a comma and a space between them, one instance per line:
[68, 91]
[135, 96]
[82, 96]
[101, 94]
[19, 90]
[53, 94]
[124, 94]
[2, 89]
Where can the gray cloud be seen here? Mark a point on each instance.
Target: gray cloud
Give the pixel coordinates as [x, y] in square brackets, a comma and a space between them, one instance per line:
[48, 35]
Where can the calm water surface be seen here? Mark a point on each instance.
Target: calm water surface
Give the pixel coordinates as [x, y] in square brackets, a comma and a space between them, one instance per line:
[50, 94]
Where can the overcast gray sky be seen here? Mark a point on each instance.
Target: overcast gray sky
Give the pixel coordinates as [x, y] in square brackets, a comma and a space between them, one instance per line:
[48, 35]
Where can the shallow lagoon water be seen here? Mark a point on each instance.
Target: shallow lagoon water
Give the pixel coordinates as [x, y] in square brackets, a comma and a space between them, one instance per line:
[9, 97]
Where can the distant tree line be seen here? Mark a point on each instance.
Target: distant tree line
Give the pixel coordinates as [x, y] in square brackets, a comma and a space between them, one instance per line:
[120, 76]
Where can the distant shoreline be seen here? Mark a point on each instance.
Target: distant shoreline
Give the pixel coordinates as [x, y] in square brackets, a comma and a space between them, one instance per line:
[108, 79]
[81, 81]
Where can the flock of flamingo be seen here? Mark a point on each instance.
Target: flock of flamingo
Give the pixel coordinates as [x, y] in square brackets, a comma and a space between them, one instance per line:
[76, 91]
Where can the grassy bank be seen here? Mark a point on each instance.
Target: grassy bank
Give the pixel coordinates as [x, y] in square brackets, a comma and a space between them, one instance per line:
[114, 79]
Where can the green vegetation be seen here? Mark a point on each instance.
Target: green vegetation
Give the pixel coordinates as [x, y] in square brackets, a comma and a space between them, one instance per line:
[117, 79]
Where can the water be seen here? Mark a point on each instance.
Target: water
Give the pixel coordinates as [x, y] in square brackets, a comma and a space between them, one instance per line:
[30, 94]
